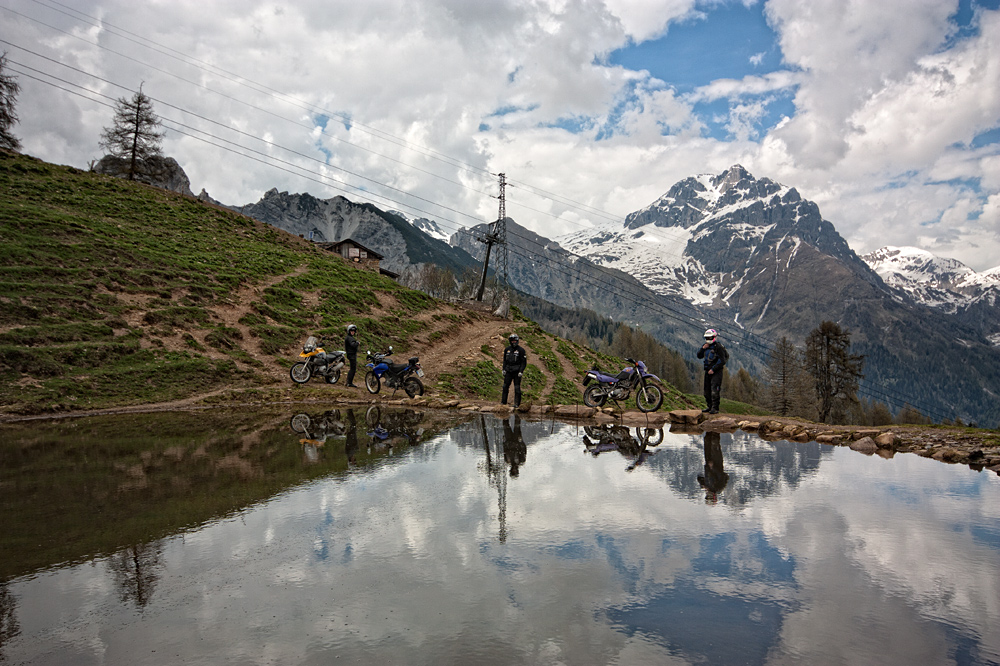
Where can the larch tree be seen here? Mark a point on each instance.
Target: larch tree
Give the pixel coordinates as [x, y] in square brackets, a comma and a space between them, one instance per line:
[9, 89]
[134, 134]
[788, 387]
[835, 370]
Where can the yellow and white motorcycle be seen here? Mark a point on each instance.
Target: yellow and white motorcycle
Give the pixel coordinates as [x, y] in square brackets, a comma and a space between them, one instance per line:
[317, 361]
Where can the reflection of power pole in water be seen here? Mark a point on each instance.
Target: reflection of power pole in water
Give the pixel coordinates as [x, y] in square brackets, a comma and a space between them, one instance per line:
[496, 472]
[135, 570]
[715, 478]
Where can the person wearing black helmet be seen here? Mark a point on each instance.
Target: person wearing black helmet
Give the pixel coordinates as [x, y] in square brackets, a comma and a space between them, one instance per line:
[714, 356]
[515, 360]
[351, 351]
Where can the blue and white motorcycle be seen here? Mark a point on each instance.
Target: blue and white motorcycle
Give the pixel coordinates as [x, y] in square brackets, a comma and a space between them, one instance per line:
[396, 375]
[648, 394]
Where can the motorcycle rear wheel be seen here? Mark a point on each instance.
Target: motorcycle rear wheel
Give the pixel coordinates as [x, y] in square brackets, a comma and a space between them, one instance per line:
[413, 387]
[649, 398]
[594, 396]
[300, 372]
[332, 376]
[372, 382]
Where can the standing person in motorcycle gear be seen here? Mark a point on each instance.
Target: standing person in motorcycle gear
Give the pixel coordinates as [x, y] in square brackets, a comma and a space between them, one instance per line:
[515, 360]
[351, 351]
[715, 357]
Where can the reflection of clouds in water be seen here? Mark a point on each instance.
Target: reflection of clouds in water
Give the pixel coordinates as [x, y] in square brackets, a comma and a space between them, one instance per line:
[597, 566]
[891, 575]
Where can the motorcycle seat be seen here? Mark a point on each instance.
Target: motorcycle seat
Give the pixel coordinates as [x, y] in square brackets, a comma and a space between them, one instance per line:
[397, 367]
[603, 378]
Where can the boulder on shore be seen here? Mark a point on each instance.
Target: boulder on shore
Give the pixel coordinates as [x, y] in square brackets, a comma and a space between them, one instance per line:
[686, 416]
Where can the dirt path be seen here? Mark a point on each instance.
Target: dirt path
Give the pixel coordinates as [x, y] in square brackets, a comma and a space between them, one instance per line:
[449, 345]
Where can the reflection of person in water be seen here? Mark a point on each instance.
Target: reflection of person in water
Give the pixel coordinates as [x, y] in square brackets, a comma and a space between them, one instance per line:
[515, 451]
[715, 478]
[351, 447]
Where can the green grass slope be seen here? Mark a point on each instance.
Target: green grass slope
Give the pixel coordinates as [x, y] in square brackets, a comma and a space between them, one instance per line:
[115, 293]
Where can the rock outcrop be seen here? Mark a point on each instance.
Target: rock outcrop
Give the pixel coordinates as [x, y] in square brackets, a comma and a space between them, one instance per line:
[162, 172]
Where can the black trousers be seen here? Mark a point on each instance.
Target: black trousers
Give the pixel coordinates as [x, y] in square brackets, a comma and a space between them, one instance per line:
[353, 360]
[509, 377]
[713, 389]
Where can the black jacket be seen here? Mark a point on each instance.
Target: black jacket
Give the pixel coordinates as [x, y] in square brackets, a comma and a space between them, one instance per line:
[351, 346]
[714, 357]
[515, 359]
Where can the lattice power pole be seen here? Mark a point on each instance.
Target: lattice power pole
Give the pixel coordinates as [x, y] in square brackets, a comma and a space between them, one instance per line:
[498, 235]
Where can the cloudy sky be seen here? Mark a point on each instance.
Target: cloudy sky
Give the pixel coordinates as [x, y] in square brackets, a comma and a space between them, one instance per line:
[887, 114]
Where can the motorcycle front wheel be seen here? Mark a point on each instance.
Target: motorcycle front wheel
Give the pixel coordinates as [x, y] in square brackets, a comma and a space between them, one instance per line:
[413, 387]
[649, 398]
[332, 376]
[652, 436]
[300, 372]
[594, 396]
[300, 423]
[372, 382]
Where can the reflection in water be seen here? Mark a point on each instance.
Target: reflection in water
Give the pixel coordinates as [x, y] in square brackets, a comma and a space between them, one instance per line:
[136, 570]
[715, 477]
[515, 451]
[9, 627]
[414, 557]
[611, 437]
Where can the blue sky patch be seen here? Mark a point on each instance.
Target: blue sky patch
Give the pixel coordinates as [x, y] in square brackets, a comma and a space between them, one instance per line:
[986, 138]
[731, 42]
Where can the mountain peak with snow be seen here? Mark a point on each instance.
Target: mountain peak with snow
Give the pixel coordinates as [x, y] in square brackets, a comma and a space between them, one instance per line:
[709, 232]
[939, 282]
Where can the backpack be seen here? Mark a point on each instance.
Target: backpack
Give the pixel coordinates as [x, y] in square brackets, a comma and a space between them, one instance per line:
[723, 353]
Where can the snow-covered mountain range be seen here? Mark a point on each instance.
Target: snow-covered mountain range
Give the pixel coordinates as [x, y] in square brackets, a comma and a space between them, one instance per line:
[939, 282]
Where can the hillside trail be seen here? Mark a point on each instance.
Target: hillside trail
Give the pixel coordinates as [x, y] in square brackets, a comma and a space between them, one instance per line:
[449, 345]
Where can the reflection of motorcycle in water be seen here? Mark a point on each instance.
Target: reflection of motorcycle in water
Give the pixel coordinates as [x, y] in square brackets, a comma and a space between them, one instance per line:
[389, 427]
[602, 438]
[316, 430]
[715, 477]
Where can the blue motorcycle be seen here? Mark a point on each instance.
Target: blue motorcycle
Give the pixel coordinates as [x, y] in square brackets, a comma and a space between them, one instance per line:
[396, 375]
[648, 394]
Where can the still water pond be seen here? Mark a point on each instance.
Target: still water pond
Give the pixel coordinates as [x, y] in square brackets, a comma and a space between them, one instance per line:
[400, 537]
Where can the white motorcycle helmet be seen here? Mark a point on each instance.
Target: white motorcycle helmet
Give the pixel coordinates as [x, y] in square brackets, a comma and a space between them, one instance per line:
[710, 335]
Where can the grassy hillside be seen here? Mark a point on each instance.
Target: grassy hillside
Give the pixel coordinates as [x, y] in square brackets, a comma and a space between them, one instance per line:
[114, 293]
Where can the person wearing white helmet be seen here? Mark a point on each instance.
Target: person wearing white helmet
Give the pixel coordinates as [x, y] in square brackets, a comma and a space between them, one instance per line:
[715, 357]
[351, 351]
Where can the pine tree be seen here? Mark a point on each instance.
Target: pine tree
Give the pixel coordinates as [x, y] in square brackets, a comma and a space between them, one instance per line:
[134, 134]
[835, 370]
[788, 385]
[9, 89]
